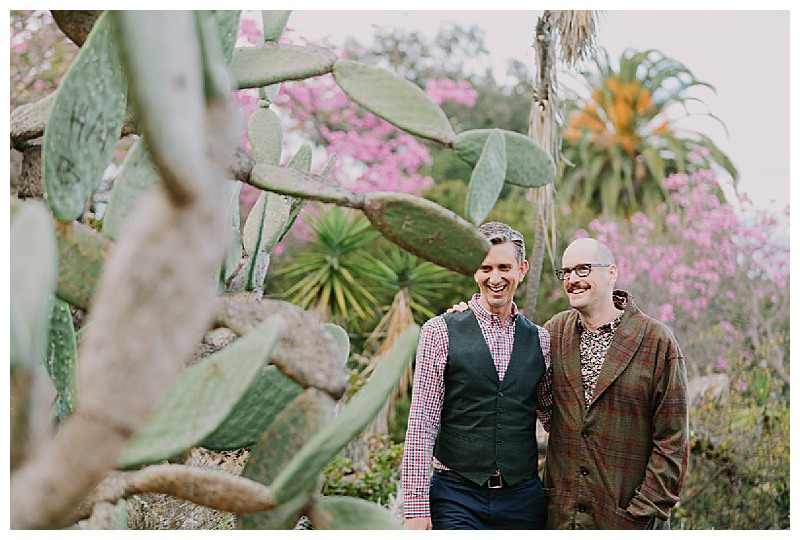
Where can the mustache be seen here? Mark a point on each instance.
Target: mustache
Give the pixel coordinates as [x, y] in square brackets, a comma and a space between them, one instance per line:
[578, 285]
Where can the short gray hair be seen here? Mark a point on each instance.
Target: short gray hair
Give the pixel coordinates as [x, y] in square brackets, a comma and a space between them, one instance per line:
[499, 233]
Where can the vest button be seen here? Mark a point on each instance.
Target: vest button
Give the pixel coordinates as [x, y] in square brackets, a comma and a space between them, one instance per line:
[500, 394]
[499, 443]
[584, 434]
[584, 471]
[581, 508]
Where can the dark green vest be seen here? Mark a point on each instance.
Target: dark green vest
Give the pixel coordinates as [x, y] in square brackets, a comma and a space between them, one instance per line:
[487, 425]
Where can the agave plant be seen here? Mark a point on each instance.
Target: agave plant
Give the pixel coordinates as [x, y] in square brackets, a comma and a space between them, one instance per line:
[623, 140]
[329, 276]
[416, 286]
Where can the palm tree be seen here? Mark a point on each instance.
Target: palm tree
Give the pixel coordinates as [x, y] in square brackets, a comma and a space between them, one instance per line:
[575, 32]
[622, 140]
[416, 285]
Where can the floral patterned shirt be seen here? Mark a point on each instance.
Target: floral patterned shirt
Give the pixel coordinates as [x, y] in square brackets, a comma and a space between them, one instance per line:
[594, 346]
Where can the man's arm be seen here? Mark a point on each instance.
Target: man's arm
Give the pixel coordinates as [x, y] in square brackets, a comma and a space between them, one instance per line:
[427, 398]
[669, 459]
[544, 388]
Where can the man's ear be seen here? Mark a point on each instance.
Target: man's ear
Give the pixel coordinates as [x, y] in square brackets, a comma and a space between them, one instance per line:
[613, 272]
[523, 268]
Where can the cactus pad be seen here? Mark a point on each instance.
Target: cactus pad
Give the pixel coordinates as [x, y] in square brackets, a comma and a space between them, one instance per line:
[255, 67]
[85, 124]
[395, 99]
[529, 165]
[427, 230]
[216, 391]
[487, 179]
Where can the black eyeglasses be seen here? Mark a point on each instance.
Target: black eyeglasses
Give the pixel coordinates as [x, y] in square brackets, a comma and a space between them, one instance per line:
[581, 270]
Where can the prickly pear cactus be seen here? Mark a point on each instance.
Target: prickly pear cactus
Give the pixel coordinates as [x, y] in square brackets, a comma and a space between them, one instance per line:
[233, 393]
[62, 354]
[85, 124]
[529, 165]
[234, 398]
[487, 178]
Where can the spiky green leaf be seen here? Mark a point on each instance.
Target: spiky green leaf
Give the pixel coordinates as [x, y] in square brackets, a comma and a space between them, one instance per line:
[304, 185]
[166, 67]
[227, 22]
[81, 257]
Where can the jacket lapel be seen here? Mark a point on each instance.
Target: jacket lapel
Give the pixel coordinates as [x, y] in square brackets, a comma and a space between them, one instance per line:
[571, 356]
[627, 338]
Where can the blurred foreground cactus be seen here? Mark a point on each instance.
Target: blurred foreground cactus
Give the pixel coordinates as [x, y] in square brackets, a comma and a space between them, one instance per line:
[180, 350]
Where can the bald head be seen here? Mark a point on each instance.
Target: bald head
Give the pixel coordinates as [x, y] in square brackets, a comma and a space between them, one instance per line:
[591, 250]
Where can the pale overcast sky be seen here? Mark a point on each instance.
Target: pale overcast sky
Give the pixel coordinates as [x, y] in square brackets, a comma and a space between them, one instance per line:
[744, 54]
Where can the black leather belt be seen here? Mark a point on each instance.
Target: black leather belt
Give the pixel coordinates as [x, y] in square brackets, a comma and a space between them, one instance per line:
[496, 481]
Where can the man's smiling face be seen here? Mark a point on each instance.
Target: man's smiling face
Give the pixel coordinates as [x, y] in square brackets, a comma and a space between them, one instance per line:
[499, 276]
[587, 294]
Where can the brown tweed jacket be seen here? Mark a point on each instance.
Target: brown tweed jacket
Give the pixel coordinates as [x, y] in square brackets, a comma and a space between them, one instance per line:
[621, 462]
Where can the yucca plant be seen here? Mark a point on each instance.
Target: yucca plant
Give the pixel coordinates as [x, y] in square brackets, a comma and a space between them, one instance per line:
[416, 285]
[330, 276]
[623, 139]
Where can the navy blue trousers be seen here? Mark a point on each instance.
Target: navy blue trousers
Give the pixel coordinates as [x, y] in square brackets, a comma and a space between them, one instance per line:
[457, 503]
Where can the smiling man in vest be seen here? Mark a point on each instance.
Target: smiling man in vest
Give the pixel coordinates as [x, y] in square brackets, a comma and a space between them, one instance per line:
[482, 378]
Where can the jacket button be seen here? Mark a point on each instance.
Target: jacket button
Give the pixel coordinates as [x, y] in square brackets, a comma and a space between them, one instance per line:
[500, 394]
[584, 434]
[581, 508]
[584, 471]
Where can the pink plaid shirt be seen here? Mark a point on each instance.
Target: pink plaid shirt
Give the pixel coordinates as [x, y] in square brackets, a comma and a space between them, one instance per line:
[428, 396]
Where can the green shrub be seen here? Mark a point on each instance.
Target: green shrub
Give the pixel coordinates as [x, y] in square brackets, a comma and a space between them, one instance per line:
[377, 482]
[738, 475]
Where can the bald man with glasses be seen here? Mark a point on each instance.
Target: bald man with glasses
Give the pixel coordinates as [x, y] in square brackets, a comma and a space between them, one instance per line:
[618, 446]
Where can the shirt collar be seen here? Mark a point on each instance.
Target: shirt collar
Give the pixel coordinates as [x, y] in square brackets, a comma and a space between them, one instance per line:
[484, 314]
[606, 328]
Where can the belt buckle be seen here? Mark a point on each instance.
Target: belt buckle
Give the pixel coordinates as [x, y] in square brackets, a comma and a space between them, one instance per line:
[495, 485]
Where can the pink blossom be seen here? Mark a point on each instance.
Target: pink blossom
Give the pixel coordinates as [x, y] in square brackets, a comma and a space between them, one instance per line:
[726, 327]
[666, 314]
[441, 90]
[250, 30]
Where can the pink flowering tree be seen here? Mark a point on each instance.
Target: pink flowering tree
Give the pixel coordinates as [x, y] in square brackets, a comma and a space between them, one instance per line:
[717, 275]
[372, 153]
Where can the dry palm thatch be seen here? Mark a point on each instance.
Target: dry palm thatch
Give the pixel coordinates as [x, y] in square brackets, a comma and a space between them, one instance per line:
[575, 32]
[391, 326]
